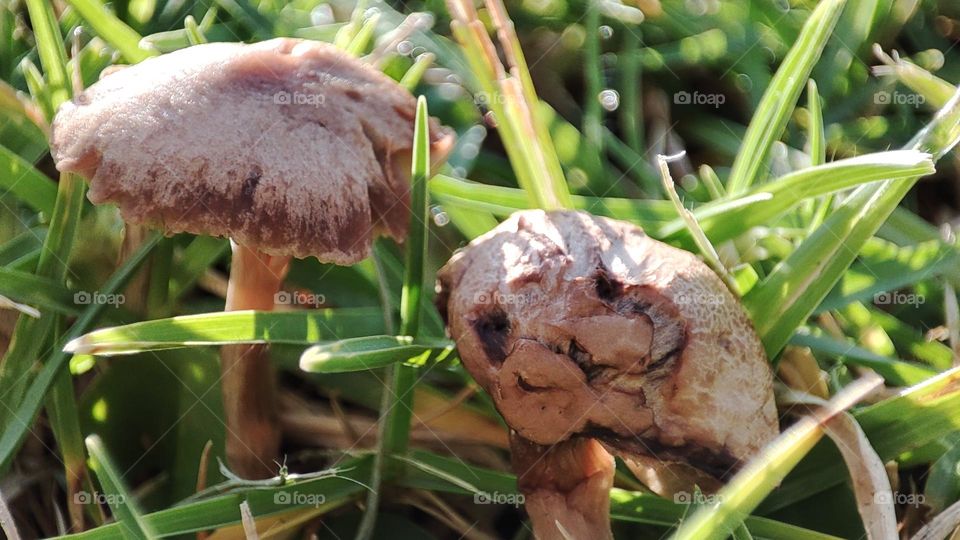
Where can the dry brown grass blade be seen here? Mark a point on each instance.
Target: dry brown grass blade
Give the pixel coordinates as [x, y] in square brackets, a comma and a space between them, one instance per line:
[870, 482]
[249, 524]
[7, 525]
[942, 525]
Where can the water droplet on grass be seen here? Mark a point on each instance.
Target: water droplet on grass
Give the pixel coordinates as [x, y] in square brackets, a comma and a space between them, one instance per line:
[609, 99]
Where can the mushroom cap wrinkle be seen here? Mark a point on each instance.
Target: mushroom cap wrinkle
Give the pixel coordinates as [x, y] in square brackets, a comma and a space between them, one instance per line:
[288, 146]
[584, 326]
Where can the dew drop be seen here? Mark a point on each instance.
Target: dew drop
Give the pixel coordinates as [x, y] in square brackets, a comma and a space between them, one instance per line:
[609, 99]
[321, 15]
[697, 7]
[606, 32]
[469, 150]
[405, 47]
[440, 218]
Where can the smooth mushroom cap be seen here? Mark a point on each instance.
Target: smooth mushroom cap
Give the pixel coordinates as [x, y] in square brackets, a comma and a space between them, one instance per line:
[290, 147]
[584, 326]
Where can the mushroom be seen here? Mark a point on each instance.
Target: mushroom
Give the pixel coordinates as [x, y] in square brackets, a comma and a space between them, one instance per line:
[290, 147]
[583, 328]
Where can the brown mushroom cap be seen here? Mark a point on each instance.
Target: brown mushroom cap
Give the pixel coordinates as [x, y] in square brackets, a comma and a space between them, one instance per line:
[290, 147]
[584, 326]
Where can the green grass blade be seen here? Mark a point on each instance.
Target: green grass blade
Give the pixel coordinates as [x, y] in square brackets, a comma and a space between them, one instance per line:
[397, 407]
[45, 293]
[122, 504]
[360, 42]
[778, 101]
[943, 483]
[935, 91]
[112, 30]
[51, 51]
[883, 267]
[22, 419]
[196, 258]
[417, 240]
[30, 335]
[503, 201]
[815, 135]
[193, 31]
[653, 510]
[763, 473]
[224, 328]
[913, 418]
[413, 75]
[23, 181]
[725, 219]
[794, 289]
[371, 352]
[264, 500]
[894, 372]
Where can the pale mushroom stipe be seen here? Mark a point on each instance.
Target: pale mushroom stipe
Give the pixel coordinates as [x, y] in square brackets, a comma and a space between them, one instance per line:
[592, 337]
[291, 148]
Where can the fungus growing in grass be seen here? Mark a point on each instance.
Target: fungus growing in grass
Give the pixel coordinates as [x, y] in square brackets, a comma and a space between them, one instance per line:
[291, 148]
[589, 335]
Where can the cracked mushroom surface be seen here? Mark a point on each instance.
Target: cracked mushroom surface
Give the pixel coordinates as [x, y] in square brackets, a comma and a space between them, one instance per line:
[290, 147]
[583, 326]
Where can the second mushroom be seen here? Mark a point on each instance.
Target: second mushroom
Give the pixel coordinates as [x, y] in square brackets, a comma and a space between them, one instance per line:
[592, 338]
[291, 148]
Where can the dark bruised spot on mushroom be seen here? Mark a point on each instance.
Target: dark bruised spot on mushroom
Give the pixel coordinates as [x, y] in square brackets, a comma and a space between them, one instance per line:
[493, 329]
[584, 360]
[250, 184]
[606, 286]
[353, 94]
[525, 385]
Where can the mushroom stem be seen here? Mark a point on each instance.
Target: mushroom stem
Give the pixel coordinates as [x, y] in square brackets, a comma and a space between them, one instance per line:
[248, 378]
[566, 487]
